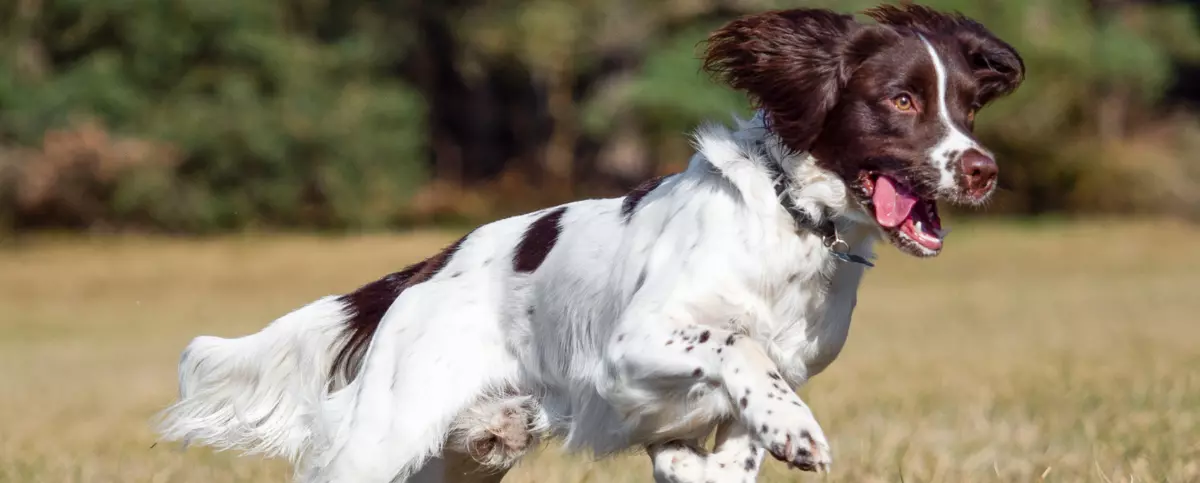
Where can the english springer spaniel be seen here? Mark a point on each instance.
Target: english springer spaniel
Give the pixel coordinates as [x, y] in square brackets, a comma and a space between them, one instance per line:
[698, 302]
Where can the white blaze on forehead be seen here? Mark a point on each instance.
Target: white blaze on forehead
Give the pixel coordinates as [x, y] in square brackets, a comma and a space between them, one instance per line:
[954, 141]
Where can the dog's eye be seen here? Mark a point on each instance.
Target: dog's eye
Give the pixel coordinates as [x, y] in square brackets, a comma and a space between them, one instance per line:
[903, 102]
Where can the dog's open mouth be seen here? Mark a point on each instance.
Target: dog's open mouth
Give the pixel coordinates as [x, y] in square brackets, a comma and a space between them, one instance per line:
[903, 213]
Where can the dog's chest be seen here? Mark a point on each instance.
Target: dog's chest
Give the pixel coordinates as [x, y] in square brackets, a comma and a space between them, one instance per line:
[812, 310]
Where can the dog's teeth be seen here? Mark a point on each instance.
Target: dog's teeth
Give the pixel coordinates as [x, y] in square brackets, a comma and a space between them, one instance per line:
[917, 226]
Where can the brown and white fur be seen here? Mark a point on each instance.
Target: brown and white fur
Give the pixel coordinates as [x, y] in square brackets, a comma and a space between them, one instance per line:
[694, 303]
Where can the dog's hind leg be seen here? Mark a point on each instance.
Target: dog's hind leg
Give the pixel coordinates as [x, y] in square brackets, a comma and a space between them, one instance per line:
[498, 431]
[438, 350]
[455, 467]
[487, 440]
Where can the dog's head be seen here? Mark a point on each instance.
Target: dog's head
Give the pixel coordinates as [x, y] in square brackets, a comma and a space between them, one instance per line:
[889, 106]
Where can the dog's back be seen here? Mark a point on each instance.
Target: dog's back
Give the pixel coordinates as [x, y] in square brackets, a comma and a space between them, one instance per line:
[520, 312]
[369, 385]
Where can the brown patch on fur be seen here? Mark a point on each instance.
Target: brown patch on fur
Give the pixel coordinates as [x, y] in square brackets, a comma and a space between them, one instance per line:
[791, 64]
[829, 86]
[995, 64]
[630, 204]
[367, 305]
[539, 238]
[795, 63]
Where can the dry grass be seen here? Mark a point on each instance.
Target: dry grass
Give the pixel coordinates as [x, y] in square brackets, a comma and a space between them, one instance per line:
[1066, 353]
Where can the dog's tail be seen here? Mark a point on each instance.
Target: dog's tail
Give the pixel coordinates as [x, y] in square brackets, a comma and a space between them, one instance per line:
[257, 393]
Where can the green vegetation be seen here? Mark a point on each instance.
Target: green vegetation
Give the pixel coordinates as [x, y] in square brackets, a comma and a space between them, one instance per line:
[216, 115]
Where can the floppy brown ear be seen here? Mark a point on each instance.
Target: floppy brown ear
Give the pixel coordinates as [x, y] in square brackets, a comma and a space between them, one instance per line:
[997, 66]
[790, 62]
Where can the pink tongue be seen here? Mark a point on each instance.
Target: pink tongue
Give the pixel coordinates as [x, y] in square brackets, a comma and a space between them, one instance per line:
[892, 203]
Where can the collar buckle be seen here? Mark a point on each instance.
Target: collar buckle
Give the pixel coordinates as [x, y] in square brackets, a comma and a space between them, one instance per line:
[841, 250]
[828, 232]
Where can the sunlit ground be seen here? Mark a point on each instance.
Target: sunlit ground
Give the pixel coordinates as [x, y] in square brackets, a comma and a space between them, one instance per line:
[1069, 353]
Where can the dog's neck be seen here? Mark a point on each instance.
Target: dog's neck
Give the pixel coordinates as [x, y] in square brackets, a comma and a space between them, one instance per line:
[816, 200]
[813, 292]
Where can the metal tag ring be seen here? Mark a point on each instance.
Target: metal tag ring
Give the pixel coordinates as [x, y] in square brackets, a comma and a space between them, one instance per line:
[833, 242]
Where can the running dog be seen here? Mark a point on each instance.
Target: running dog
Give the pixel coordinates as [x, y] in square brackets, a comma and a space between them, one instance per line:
[700, 301]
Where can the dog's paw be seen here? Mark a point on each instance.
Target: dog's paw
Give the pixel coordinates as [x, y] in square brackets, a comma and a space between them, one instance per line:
[807, 451]
[495, 433]
[787, 429]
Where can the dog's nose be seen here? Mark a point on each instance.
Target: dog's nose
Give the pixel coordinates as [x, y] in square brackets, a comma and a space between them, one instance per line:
[979, 171]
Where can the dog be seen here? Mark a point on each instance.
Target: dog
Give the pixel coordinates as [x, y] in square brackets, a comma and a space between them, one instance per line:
[700, 301]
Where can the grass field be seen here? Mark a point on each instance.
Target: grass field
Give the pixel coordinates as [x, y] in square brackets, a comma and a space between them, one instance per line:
[1025, 352]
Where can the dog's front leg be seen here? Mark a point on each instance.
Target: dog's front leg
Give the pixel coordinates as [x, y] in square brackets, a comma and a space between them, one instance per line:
[678, 461]
[736, 458]
[651, 358]
[772, 411]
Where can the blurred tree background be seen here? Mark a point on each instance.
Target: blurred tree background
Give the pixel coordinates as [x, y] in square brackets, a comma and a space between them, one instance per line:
[195, 116]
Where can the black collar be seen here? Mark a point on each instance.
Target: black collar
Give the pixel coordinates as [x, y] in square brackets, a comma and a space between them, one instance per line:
[824, 229]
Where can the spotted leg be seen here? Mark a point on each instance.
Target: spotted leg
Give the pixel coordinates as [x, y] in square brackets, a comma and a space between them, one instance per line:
[650, 358]
[772, 412]
[736, 458]
[678, 462]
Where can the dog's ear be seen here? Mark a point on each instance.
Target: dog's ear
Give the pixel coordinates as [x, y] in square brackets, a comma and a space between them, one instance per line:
[792, 64]
[997, 66]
